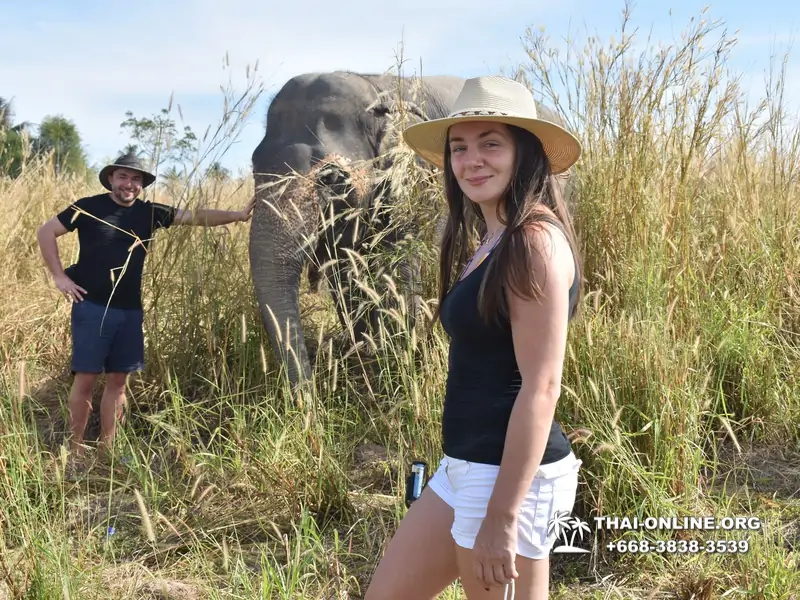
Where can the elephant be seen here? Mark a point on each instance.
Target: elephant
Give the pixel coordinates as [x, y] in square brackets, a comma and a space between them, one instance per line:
[329, 137]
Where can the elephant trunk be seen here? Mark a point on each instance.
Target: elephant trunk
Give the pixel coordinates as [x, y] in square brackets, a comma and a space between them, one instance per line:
[281, 235]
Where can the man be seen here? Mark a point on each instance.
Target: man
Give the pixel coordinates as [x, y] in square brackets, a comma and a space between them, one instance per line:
[114, 232]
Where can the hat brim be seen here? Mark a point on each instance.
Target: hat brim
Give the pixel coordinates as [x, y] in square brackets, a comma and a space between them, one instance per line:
[428, 138]
[105, 172]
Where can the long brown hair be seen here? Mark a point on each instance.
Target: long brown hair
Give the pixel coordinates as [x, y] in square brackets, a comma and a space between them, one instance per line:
[532, 188]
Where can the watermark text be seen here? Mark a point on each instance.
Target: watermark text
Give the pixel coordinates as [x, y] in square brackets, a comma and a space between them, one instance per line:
[740, 523]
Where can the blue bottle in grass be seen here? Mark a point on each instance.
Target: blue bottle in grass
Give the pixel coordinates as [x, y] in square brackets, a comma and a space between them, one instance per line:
[416, 481]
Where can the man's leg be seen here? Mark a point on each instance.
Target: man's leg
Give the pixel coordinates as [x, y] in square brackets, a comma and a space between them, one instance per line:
[79, 407]
[112, 407]
[125, 356]
[91, 339]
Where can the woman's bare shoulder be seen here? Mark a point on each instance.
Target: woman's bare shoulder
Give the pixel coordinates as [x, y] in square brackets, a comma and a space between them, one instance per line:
[550, 244]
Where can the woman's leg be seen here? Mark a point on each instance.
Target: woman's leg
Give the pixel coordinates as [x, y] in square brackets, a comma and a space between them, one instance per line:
[548, 494]
[532, 584]
[420, 561]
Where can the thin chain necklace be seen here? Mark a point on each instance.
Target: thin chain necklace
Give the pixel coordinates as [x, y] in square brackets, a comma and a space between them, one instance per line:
[485, 254]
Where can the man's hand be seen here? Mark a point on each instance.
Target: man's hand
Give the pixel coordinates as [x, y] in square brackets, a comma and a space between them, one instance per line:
[69, 288]
[247, 211]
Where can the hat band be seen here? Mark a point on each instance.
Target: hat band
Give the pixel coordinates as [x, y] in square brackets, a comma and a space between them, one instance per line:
[480, 113]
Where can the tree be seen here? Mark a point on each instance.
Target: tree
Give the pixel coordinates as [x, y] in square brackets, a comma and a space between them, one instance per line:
[217, 172]
[15, 141]
[132, 149]
[158, 140]
[60, 136]
[6, 114]
[15, 149]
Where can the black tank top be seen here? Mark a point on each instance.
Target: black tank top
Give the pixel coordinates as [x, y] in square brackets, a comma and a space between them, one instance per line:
[483, 380]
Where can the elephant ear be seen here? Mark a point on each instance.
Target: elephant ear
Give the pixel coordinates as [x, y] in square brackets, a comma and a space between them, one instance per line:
[393, 175]
[390, 115]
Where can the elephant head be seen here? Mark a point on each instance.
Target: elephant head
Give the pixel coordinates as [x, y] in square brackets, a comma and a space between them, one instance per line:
[329, 138]
[325, 134]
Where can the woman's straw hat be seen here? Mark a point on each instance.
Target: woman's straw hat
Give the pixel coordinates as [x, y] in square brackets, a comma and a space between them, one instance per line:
[497, 99]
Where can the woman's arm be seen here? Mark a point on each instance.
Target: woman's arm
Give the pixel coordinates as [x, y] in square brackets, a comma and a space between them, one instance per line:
[539, 329]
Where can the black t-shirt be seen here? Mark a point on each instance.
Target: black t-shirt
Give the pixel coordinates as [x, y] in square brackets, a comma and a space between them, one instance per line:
[106, 233]
[483, 380]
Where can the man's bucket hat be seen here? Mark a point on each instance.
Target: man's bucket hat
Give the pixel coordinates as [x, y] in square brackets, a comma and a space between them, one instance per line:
[497, 99]
[129, 161]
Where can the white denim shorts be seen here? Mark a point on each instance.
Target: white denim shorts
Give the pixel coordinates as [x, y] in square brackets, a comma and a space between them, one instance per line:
[467, 486]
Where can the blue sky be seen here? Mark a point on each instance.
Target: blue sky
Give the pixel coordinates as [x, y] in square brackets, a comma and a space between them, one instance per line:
[91, 62]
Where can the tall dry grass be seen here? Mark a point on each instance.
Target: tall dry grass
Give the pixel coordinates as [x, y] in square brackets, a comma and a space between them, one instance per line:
[682, 365]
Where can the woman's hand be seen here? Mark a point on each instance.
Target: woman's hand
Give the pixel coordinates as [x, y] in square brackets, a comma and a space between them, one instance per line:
[495, 551]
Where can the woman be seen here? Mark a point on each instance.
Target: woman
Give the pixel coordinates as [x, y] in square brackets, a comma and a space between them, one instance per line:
[508, 467]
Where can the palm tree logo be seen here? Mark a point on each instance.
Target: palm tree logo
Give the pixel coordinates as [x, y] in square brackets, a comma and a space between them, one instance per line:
[560, 525]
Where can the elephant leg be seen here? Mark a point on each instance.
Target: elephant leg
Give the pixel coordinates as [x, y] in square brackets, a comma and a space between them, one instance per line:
[337, 248]
[360, 311]
[356, 271]
[315, 271]
[403, 267]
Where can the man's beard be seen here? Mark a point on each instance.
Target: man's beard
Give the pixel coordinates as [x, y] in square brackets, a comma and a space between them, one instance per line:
[121, 198]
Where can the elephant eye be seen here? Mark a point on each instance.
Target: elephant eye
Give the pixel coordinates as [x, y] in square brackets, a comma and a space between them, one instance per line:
[332, 122]
[381, 110]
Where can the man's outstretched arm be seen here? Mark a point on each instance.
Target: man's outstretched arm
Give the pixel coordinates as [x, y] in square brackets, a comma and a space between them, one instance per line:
[208, 217]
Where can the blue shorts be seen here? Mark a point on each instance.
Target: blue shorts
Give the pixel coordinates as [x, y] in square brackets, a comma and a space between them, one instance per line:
[106, 339]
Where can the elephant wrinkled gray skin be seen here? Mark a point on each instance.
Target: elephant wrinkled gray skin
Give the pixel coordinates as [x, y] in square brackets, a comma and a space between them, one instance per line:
[315, 120]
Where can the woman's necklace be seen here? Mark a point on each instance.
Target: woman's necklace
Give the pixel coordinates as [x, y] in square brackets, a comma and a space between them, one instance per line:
[496, 238]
